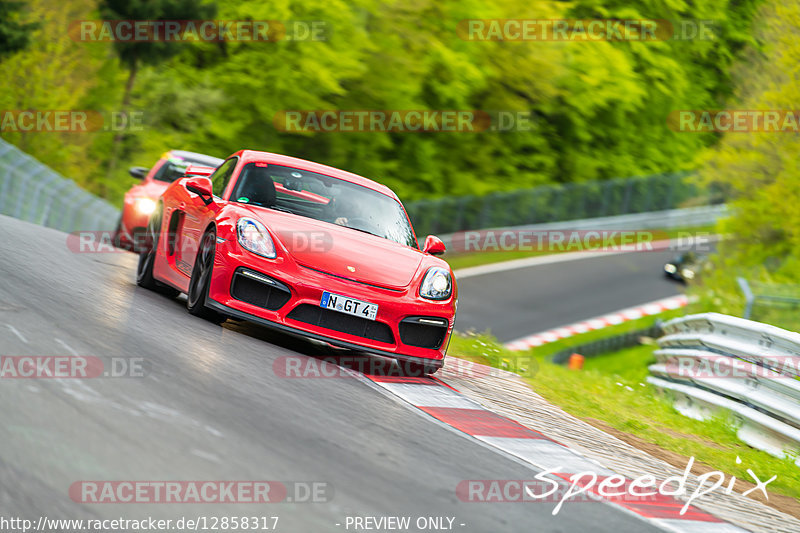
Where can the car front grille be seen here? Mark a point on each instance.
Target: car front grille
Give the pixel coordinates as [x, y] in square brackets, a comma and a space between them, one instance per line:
[259, 290]
[423, 332]
[352, 325]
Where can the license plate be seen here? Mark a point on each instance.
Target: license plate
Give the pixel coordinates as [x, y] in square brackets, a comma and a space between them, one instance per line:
[349, 306]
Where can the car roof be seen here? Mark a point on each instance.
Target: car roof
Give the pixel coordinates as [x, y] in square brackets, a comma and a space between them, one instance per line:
[252, 156]
[207, 160]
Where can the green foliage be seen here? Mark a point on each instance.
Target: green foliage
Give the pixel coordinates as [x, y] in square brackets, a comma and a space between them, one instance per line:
[14, 35]
[597, 109]
[151, 53]
[760, 170]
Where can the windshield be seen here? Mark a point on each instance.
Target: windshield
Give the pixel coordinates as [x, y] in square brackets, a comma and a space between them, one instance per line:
[174, 168]
[323, 198]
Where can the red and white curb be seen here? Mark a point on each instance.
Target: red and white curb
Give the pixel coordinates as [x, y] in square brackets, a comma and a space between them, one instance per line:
[442, 402]
[600, 322]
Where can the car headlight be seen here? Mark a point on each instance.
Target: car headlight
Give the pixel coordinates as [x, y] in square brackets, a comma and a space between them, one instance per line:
[253, 236]
[669, 268]
[144, 206]
[437, 284]
[686, 273]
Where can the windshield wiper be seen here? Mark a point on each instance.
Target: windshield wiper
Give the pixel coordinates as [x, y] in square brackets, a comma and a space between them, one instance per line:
[278, 208]
[364, 231]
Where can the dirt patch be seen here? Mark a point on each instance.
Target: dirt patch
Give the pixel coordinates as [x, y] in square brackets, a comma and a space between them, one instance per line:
[782, 503]
[693, 438]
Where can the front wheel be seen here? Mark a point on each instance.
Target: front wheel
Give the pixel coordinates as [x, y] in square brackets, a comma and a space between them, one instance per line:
[201, 280]
[144, 270]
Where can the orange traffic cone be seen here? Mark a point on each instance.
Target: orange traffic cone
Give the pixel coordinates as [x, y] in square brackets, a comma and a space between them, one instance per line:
[576, 361]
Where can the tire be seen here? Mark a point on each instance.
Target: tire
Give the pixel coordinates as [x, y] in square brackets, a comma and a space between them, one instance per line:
[144, 270]
[201, 279]
[116, 240]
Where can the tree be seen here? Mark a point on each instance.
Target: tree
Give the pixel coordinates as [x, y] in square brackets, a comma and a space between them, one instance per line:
[14, 35]
[134, 53]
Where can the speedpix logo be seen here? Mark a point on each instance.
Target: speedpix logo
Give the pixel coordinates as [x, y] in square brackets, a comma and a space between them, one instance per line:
[551, 486]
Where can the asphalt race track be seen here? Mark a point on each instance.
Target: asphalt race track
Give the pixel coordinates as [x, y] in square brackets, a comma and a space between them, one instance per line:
[524, 301]
[210, 407]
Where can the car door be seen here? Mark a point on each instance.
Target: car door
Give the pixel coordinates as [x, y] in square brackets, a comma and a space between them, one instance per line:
[196, 215]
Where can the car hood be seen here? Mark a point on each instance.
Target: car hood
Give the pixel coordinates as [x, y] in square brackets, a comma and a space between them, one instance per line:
[343, 252]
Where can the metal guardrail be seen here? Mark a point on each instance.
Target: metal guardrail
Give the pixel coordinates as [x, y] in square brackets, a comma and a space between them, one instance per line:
[687, 217]
[608, 344]
[711, 363]
[32, 191]
[773, 303]
[555, 203]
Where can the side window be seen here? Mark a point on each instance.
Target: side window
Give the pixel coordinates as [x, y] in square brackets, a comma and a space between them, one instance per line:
[221, 176]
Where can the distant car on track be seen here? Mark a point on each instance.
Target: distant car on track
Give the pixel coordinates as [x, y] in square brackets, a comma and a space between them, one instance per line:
[140, 200]
[686, 266]
[303, 248]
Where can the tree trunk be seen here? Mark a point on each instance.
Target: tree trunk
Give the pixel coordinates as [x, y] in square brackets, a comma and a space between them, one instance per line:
[118, 136]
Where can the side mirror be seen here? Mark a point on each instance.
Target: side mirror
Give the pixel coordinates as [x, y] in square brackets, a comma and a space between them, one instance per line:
[433, 245]
[138, 172]
[201, 186]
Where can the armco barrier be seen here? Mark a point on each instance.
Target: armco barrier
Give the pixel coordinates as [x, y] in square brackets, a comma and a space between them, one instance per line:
[711, 362]
[688, 217]
[608, 344]
[32, 191]
[560, 202]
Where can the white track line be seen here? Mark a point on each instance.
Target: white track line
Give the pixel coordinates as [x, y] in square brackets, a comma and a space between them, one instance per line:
[66, 347]
[17, 333]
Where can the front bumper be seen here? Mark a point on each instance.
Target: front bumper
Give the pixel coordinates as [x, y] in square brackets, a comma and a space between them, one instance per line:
[234, 313]
[395, 307]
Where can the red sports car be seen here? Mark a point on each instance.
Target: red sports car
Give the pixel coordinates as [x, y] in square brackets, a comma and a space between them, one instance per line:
[140, 200]
[306, 249]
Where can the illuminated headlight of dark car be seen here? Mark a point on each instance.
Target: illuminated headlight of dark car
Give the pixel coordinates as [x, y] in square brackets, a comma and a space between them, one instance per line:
[686, 273]
[669, 268]
[254, 237]
[437, 284]
[144, 206]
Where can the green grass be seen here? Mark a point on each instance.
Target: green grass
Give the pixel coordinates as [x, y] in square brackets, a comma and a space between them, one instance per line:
[612, 388]
[465, 260]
